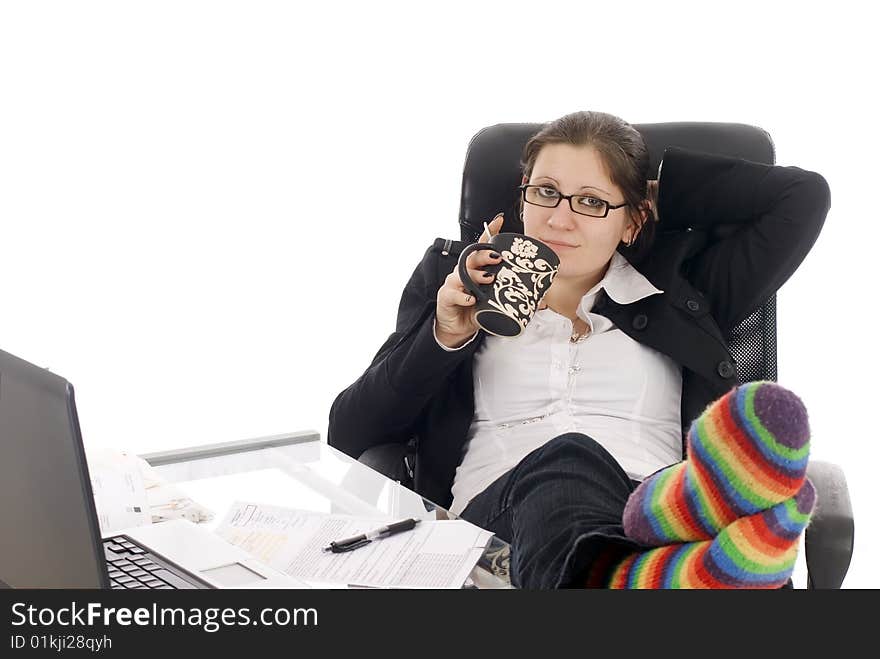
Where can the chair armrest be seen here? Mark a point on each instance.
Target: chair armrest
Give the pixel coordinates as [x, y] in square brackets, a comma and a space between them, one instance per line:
[829, 537]
[392, 460]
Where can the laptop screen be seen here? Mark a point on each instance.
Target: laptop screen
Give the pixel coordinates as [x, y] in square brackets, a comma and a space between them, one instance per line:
[50, 528]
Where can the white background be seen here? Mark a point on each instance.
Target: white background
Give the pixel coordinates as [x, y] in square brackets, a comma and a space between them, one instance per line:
[209, 209]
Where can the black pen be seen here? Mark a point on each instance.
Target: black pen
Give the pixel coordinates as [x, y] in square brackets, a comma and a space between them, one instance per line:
[347, 544]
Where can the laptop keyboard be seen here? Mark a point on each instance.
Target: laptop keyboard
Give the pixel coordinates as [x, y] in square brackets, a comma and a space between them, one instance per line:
[130, 566]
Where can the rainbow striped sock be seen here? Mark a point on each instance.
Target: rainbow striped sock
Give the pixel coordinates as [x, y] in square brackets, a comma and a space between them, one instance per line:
[756, 551]
[747, 452]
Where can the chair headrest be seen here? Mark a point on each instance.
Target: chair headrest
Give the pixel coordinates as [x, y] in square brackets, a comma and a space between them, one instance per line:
[492, 169]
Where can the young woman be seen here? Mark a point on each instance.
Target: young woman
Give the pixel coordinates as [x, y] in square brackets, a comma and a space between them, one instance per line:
[545, 438]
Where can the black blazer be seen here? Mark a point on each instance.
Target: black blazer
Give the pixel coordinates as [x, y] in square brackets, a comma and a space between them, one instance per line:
[414, 389]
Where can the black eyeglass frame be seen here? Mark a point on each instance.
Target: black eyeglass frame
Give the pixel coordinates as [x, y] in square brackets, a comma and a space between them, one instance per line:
[569, 197]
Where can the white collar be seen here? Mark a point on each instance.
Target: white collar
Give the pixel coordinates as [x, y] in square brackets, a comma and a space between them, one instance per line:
[622, 282]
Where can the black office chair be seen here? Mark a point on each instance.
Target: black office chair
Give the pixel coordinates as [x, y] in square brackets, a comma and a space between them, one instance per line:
[489, 184]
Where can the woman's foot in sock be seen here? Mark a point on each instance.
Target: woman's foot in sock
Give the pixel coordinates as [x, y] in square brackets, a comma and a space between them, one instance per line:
[756, 551]
[746, 452]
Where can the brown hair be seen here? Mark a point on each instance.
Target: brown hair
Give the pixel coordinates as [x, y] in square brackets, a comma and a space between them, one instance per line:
[622, 150]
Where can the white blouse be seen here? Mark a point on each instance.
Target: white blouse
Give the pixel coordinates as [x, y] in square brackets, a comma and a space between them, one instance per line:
[531, 388]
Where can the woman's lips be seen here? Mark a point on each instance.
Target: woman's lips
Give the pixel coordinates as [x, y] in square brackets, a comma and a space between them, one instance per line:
[555, 245]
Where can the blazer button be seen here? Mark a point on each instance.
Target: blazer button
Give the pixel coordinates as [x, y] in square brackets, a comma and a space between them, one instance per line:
[726, 369]
[693, 305]
[640, 322]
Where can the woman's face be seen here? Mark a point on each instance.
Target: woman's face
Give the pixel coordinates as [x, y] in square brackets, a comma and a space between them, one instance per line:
[584, 244]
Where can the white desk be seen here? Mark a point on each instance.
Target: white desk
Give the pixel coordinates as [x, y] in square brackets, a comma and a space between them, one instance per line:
[299, 470]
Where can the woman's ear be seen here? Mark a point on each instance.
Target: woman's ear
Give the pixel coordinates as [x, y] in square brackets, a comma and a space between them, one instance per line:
[635, 225]
[525, 179]
[645, 214]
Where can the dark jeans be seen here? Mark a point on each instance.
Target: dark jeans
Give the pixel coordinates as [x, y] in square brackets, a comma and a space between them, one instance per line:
[559, 508]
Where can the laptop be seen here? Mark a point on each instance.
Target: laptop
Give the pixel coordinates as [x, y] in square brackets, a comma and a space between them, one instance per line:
[51, 535]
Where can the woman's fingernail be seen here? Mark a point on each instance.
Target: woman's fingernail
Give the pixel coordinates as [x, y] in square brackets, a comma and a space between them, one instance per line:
[487, 274]
[495, 255]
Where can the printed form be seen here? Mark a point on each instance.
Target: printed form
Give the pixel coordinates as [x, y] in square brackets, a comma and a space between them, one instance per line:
[435, 554]
[118, 488]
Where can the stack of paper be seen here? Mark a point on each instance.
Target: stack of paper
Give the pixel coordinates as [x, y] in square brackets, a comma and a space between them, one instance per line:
[435, 554]
[129, 492]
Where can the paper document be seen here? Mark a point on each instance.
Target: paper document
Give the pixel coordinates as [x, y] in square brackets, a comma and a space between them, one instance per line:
[167, 501]
[435, 554]
[119, 491]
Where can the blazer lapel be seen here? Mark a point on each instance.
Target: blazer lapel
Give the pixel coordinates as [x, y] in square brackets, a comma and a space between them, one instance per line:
[677, 324]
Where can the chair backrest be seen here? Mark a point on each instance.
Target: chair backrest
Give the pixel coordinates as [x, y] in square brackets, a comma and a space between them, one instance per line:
[492, 173]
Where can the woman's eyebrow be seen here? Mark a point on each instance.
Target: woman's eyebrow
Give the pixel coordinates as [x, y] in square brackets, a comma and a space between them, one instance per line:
[592, 187]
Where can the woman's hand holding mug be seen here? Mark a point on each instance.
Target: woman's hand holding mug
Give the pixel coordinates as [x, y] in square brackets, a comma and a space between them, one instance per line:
[455, 305]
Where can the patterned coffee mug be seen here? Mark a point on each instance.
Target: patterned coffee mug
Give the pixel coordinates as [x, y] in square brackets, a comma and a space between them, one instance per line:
[526, 270]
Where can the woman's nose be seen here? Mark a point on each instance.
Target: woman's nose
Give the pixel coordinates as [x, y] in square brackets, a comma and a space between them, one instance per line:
[561, 217]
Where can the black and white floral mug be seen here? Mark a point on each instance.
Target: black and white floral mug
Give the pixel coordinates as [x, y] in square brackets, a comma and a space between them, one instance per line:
[526, 270]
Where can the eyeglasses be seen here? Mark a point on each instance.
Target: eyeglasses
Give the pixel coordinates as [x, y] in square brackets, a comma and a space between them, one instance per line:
[548, 197]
